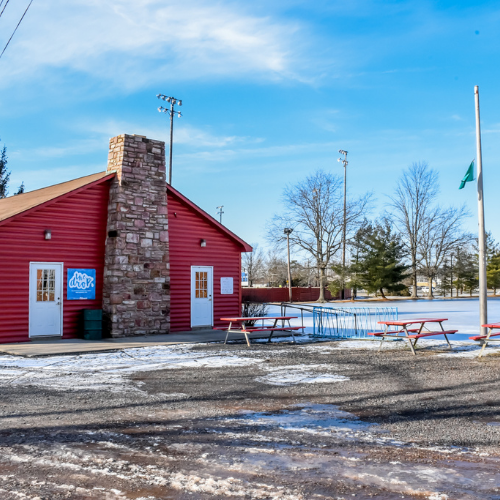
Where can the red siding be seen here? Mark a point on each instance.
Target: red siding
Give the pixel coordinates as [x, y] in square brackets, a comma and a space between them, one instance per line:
[186, 228]
[78, 224]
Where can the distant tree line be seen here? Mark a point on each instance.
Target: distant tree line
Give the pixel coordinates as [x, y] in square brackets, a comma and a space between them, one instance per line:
[416, 238]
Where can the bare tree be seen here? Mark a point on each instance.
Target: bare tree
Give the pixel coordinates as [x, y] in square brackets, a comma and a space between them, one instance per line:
[412, 206]
[314, 210]
[276, 268]
[253, 264]
[442, 232]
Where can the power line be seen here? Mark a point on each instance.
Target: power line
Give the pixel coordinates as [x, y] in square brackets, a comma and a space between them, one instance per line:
[13, 33]
[3, 7]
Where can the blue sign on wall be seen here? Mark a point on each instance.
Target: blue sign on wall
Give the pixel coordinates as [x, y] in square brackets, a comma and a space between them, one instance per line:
[81, 284]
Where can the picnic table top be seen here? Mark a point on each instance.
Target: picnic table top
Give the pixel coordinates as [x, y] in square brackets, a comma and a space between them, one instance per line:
[491, 325]
[404, 322]
[258, 318]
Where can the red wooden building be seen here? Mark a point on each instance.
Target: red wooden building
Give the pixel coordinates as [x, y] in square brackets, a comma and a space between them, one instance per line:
[122, 241]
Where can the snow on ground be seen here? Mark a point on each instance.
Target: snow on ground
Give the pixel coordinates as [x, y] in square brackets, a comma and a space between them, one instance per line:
[300, 374]
[109, 370]
[460, 348]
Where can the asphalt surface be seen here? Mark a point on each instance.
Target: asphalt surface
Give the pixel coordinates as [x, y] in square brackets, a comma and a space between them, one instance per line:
[342, 424]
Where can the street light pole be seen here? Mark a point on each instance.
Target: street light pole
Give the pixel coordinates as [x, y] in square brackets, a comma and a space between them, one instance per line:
[171, 112]
[451, 277]
[288, 231]
[344, 162]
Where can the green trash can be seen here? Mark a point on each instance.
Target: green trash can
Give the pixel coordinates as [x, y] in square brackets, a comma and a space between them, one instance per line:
[92, 324]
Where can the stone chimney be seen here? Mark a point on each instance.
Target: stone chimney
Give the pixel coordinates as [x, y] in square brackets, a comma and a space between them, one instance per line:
[136, 295]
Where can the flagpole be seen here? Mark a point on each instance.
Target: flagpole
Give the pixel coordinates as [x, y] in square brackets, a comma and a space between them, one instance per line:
[483, 290]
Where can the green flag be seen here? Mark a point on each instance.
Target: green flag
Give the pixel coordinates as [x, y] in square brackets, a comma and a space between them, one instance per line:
[469, 176]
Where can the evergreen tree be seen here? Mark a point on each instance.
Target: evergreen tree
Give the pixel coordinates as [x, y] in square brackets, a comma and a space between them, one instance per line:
[467, 271]
[380, 265]
[493, 272]
[4, 173]
[5, 176]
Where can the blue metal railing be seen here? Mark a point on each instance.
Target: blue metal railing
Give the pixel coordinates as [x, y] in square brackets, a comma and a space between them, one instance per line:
[345, 322]
[350, 322]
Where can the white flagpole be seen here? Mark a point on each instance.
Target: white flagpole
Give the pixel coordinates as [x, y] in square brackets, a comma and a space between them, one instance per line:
[483, 290]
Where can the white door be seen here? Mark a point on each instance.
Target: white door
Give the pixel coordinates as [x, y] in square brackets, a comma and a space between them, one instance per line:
[45, 299]
[201, 296]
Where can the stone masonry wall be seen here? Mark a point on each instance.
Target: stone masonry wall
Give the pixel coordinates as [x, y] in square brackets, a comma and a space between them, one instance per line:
[136, 296]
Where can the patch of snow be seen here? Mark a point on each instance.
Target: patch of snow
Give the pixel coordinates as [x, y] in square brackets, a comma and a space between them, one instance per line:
[300, 374]
[110, 370]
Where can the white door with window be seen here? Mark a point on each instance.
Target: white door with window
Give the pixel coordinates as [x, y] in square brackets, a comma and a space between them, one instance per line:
[202, 311]
[46, 288]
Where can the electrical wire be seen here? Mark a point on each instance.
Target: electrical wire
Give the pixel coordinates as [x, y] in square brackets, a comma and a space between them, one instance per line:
[20, 20]
[3, 7]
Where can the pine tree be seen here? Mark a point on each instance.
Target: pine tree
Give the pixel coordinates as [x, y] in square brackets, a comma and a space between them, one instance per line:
[380, 265]
[493, 272]
[4, 174]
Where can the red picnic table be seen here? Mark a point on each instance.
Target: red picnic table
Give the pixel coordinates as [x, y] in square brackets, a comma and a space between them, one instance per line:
[484, 339]
[412, 334]
[242, 328]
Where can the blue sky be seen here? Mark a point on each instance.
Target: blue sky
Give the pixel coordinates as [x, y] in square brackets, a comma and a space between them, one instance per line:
[271, 91]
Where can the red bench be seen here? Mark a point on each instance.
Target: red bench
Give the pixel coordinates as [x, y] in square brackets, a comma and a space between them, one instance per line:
[480, 337]
[484, 339]
[379, 334]
[430, 334]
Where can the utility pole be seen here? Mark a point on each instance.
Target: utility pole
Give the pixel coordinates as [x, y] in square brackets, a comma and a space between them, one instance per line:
[344, 162]
[483, 290]
[220, 212]
[288, 231]
[171, 112]
[451, 277]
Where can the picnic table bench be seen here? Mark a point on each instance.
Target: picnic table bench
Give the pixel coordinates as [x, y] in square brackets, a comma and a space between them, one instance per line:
[274, 327]
[484, 339]
[412, 334]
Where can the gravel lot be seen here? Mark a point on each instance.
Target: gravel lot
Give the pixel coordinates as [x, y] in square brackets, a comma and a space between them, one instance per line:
[308, 421]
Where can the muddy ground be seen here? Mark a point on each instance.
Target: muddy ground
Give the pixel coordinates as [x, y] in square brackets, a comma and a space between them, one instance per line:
[355, 423]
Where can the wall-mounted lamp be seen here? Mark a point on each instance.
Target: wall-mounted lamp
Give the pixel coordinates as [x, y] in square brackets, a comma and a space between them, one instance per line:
[203, 243]
[48, 234]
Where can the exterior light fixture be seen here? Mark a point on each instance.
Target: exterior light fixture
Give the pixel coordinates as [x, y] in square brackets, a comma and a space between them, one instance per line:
[344, 163]
[171, 112]
[48, 234]
[203, 243]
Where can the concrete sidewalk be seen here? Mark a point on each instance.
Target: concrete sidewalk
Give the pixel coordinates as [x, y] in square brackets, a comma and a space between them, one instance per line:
[80, 346]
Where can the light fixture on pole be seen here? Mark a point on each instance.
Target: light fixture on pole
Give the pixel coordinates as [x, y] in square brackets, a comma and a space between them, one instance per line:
[288, 231]
[344, 162]
[171, 111]
[220, 212]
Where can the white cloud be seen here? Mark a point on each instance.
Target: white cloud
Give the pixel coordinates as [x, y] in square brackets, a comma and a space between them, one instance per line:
[183, 134]
[133, 43]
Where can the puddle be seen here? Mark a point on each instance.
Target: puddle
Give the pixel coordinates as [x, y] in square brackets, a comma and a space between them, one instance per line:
[320, 417]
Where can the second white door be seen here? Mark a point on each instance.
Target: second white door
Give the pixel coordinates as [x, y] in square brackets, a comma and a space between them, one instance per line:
[202, 311]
